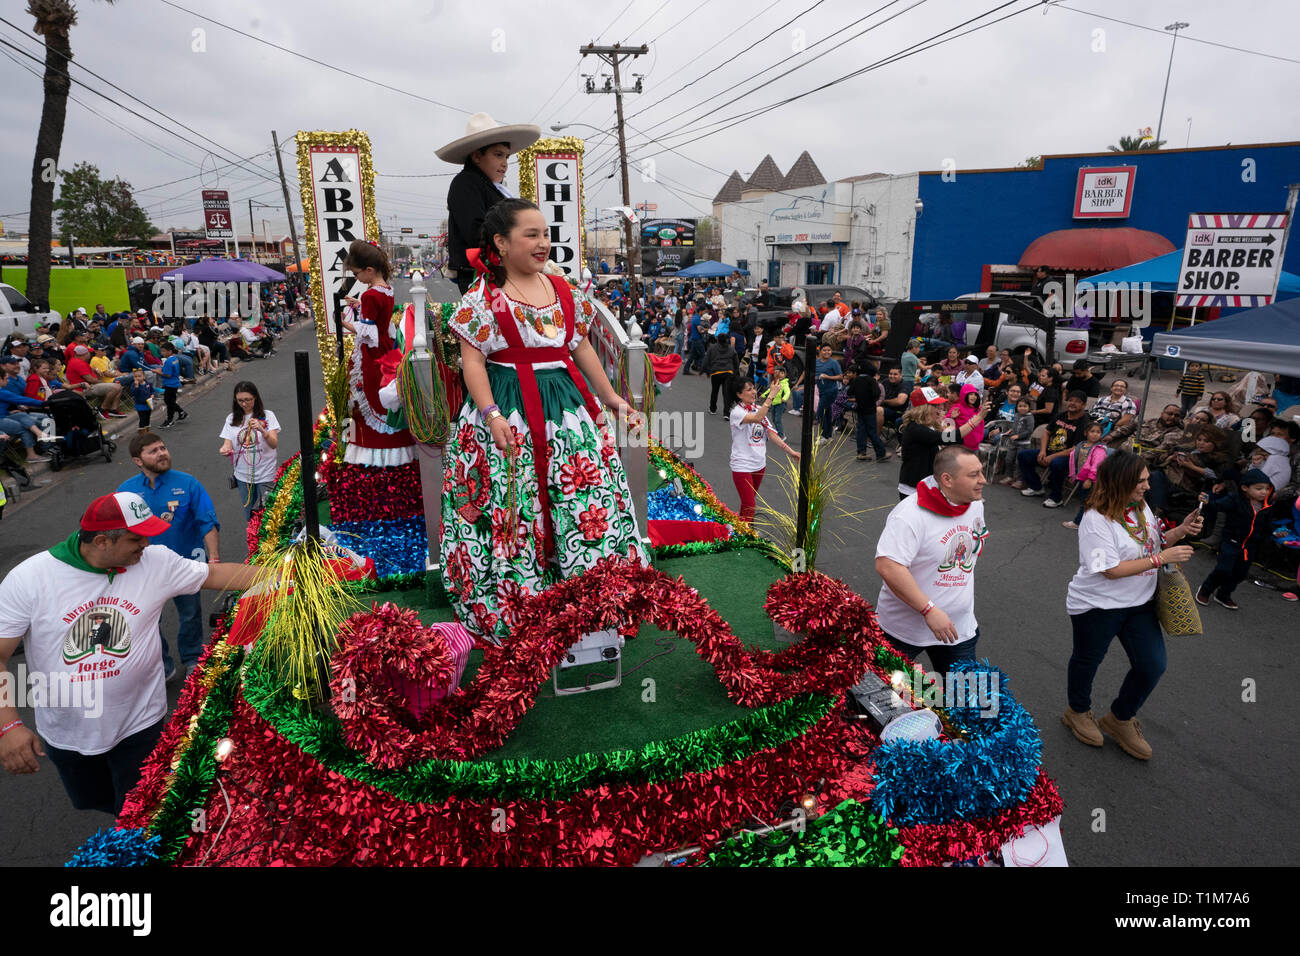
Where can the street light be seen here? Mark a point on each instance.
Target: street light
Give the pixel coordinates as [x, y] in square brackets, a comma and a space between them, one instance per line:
[1175, 26]
[558, 127]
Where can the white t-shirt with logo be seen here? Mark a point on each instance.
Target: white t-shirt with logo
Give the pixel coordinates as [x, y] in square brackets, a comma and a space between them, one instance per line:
[748, 441]
[940, 552]
[93, 643]
[254, 460]
[1103, 544]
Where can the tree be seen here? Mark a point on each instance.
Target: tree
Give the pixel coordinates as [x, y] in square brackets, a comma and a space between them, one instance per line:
[54, 21]
[98, 212]
[1030, 162]
[1131, 144]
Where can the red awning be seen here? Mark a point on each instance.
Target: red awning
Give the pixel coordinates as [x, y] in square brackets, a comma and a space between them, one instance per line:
[1094, 250]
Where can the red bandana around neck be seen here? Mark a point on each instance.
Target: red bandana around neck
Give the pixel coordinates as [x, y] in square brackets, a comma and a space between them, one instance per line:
[929, 497]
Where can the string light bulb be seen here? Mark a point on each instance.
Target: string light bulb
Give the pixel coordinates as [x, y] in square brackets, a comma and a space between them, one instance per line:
[225, 747]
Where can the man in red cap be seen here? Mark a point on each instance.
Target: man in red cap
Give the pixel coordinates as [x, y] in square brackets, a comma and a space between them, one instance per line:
[89, 608]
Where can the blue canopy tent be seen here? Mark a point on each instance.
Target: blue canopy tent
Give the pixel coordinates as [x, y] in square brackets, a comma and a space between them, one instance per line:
[709, 269]
[224, 270]
[1162, 273]
[1266, 339]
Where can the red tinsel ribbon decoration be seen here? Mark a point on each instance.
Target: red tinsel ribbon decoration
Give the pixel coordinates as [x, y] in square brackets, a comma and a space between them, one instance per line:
[841, 635]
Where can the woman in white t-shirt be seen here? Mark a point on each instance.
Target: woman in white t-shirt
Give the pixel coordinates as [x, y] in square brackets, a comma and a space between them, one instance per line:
[1121, 551]
[749, 430]
[251, 435]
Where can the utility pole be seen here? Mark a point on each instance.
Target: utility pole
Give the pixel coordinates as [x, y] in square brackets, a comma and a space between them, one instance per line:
[293, 229]
[614, 55]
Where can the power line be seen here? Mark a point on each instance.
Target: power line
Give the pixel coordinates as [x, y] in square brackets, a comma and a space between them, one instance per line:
[614, 21]
[918, 47]
[807, 61]
[1181, 36]
[122, 106]
[646, 20]
[89, 109]
[694, 10]
[732, 59]
[310, 59]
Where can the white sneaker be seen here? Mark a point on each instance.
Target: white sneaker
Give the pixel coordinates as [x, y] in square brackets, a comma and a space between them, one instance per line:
[1051, 503]
[796, 414]
[1032, 492]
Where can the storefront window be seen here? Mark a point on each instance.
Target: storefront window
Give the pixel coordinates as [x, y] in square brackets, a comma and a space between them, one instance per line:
[820, 273]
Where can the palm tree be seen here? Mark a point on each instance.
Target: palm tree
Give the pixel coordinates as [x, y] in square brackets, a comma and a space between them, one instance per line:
[1131, 144]
[54, 21]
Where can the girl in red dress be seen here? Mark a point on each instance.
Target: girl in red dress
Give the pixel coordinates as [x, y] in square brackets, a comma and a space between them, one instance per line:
[374, 442]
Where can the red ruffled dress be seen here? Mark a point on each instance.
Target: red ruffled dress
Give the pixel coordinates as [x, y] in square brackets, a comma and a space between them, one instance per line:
[374, 442]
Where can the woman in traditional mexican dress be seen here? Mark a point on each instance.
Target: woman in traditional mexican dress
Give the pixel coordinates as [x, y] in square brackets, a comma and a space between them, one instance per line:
[518, 515]
[373, 441]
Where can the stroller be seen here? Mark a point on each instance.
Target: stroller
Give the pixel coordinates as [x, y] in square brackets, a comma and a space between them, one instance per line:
[76, 431]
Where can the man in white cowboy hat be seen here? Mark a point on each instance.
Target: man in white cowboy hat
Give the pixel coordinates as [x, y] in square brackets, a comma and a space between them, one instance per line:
[484, 151]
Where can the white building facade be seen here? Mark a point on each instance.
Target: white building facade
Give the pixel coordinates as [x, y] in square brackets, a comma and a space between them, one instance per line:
[857, 232]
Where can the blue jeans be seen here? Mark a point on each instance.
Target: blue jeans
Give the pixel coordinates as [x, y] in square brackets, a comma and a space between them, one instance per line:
[189, 632]
[1230, 570]
[775, 415]
[102, 782]
[796, 398]
[252, 496]
[867, 430]
[825, 405]
[1138, 630]
[695, 356]
[15, 429]
[1056, 474]
[942, 656]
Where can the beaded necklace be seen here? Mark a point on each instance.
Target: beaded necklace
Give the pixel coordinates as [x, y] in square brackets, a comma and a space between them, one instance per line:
[1135, 518]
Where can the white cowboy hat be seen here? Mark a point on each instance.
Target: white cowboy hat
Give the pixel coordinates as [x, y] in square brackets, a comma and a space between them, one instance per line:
[482, 130]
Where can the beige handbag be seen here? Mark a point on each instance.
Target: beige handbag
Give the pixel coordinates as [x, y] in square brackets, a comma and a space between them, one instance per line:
[1175, 606]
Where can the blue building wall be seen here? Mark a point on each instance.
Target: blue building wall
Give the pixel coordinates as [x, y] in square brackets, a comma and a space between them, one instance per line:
[992, 217]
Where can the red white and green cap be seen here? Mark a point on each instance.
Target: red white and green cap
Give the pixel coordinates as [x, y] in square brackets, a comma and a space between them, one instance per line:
[123, 510]
[926, 396]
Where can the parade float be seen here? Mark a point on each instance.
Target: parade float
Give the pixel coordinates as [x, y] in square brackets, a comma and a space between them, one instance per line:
[725, 705]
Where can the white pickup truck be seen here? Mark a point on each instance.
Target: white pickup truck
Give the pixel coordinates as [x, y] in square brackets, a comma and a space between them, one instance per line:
[19, 315]
[1015, 331]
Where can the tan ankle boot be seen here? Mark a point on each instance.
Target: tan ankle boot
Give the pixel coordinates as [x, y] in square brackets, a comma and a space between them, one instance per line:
[1128, 734]
[1083, 726]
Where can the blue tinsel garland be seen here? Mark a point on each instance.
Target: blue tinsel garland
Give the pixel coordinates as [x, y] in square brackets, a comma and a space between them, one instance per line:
[398, 547]
[934, 781]
[131, 847]
[667, 505]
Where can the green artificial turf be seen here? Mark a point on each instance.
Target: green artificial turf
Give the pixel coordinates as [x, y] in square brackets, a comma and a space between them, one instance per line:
[686, 693]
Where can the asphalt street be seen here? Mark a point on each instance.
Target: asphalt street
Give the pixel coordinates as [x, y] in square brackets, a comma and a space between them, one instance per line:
[1214, 794]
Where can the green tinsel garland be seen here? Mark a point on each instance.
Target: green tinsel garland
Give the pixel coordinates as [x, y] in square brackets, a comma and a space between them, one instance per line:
[193, 778]
[849, 835]
[714, 547]
[521, 779]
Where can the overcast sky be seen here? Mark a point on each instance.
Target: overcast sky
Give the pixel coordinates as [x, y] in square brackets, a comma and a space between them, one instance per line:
[1048, 80]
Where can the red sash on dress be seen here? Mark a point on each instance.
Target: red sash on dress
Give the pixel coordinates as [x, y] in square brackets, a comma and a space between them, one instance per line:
[523, 359]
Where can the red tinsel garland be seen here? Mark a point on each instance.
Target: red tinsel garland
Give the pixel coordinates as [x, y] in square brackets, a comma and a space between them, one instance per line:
[840, 639]
[932, 845]
[289, 810]
[142, 802]
[370, 644]
[358, 493]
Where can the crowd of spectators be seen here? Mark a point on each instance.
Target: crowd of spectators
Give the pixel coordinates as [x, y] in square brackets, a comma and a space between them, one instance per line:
[124, 362]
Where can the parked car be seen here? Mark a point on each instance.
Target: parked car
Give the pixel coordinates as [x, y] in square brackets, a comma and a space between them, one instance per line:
[783, 296]
[17, 314]
[1018, 324]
